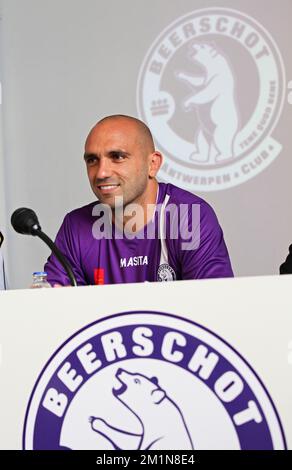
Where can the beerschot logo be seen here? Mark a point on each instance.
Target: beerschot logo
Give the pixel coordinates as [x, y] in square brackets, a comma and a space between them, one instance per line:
[149, 380]
[211, 88]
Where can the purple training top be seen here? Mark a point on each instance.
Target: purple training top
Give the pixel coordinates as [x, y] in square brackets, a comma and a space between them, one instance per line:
[183, 241]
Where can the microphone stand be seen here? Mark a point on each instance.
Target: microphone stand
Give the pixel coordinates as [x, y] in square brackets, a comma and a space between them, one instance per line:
[25, 221]
[37, 232]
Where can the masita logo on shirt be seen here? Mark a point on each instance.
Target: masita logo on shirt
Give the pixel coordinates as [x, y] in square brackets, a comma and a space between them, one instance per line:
[149, 380]
[133, 261]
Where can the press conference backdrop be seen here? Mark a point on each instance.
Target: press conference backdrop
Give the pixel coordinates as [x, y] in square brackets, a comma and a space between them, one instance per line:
[67, 64]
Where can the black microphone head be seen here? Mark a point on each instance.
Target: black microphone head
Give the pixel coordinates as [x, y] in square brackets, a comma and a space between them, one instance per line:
[25, 221]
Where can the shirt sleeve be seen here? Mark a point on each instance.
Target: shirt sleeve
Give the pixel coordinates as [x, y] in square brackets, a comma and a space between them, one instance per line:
[205, 254]
[68, 243]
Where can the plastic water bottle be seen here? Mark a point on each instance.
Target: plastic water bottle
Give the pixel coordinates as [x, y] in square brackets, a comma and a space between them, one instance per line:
[39, 280]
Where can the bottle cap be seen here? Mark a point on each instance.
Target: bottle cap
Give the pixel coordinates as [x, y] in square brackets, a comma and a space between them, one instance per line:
[40, 273]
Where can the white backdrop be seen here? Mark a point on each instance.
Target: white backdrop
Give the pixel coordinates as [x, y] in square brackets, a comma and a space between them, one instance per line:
[67, 64]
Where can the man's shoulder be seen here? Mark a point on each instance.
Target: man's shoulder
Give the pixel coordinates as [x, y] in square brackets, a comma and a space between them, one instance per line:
[180, 196]
[82, 213]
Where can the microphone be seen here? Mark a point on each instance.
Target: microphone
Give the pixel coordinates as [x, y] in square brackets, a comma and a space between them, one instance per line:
[2, 270]
[25, 221]
[286, 267]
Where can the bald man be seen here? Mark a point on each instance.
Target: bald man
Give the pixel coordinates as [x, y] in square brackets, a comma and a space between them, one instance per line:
[122, 162]
[138, 230]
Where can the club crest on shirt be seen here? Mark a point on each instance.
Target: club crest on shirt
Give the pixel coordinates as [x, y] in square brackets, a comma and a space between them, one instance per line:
[149, 380]
[194, 91]
[165, 273]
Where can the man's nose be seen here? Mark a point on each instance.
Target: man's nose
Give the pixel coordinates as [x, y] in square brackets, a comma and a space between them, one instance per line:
[104, 169]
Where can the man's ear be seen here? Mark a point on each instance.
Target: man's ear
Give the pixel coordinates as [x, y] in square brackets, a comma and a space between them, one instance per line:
[157, 396]
[155, 161]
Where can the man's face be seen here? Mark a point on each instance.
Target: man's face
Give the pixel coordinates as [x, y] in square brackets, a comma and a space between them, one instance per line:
[117, 162]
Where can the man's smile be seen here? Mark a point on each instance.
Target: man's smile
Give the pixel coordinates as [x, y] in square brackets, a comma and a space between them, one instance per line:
[107, 188]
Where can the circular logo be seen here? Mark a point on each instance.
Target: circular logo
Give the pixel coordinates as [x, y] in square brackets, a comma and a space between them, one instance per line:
[211, 89]
[165, 273]
[148, 380]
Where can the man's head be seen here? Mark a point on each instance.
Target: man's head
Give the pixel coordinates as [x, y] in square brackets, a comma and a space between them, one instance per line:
[121, 161]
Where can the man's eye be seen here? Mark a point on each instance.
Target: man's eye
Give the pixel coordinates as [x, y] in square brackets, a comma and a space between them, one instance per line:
[90, 161]
[137, 381]
[118, 156]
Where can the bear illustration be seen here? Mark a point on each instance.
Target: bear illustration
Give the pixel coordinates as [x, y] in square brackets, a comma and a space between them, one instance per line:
[162, 423]
[213, 97]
